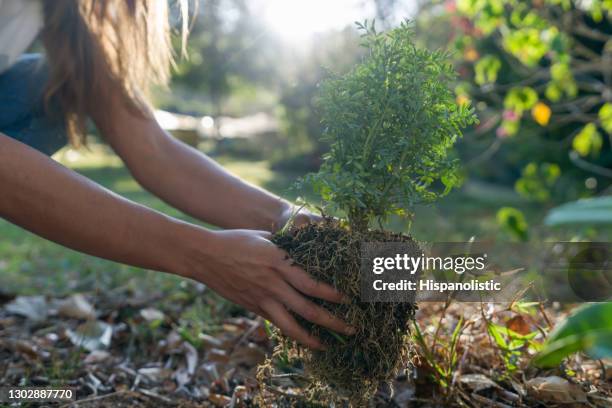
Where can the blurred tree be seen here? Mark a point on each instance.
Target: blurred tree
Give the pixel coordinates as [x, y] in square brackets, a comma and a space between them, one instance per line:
[228, 49]
[540, 74]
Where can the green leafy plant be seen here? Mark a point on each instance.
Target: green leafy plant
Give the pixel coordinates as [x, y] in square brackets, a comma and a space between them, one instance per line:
[390, 123]
[522, 64]
[441, 356]
[594, 211]
[587, 329]
[511, 344]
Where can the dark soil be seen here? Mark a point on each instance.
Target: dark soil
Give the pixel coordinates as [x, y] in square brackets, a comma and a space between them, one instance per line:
[352, 367]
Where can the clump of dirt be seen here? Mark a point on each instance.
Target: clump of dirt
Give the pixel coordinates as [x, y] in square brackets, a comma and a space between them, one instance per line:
[352, 367]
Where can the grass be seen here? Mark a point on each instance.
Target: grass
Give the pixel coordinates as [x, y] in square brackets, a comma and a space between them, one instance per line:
[32, 265]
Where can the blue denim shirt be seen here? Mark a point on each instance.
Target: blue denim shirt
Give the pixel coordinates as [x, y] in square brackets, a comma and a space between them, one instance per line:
[23, 115]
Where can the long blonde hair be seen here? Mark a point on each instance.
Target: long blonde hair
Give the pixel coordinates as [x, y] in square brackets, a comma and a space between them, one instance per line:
[89, 42]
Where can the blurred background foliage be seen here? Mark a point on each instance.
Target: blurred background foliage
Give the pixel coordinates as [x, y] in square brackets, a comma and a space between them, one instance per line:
[539, 74]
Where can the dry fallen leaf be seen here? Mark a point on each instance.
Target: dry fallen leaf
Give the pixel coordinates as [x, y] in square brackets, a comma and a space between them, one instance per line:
[217, 355]
[97, 356]
[30, 349]
[155, 374]
[239, 396]
[477, 382]
[182, 376]
[173, 340]
[219, 400]
[151, 314]
[210, 372]
[249, 355]
[191, 356]
[209, 341]
[76, 307]
[554, 389]
[92, 335]
[35, 308]
[519, 325]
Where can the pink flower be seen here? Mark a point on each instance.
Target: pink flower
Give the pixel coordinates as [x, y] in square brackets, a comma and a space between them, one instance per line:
[510, 115]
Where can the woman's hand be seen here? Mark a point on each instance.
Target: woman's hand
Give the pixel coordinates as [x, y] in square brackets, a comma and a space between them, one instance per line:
[246, 268]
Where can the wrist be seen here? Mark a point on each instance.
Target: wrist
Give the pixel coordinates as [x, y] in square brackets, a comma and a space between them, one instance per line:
[272, 216]
[192, 247]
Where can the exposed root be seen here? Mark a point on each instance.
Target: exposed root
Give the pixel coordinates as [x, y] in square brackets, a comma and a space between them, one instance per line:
[352, 367]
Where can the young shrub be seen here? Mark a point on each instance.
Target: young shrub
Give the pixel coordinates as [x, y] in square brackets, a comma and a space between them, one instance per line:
[391, 123]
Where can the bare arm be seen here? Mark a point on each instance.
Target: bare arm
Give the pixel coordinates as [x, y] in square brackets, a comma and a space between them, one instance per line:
[242, 265]
[58, 204]
[187, 179]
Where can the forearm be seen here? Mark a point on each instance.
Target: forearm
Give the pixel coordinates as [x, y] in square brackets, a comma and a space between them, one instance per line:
[60, 205]
[190, 181]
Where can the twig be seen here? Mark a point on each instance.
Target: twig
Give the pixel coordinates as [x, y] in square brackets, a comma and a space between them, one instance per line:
[489, 402]
[486, 155]
[590, 167]
[95, 398]
[155, 395]
[493, 346]
[543, 312]
[288, 375]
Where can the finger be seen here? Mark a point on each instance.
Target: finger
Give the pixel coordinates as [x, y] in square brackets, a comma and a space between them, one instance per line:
[302, 281]
[287, 324]
[314, 313]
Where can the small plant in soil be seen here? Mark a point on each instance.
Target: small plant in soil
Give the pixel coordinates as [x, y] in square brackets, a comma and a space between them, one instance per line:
[391, 123]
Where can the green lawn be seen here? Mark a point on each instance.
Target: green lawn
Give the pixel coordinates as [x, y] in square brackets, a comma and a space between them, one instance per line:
[29, 264]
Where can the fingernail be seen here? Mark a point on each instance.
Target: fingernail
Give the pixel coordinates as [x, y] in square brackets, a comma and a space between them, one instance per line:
[350, 330]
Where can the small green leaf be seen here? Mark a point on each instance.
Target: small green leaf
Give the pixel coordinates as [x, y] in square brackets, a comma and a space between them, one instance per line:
[495, 332]
[486, 69]
[605, 117]
[526, 45]
[520, 99]
[588, 140]
[513, 221]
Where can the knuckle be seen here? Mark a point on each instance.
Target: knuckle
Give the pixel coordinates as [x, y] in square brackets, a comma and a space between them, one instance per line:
[311, 313]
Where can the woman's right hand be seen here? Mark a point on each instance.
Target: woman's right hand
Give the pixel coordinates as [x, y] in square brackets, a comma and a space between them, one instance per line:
[245, 267]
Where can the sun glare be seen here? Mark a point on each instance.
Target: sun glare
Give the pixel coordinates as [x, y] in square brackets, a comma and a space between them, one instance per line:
[298, 20]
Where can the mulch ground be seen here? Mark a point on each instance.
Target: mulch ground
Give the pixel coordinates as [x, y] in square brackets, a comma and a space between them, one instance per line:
[120, 349]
